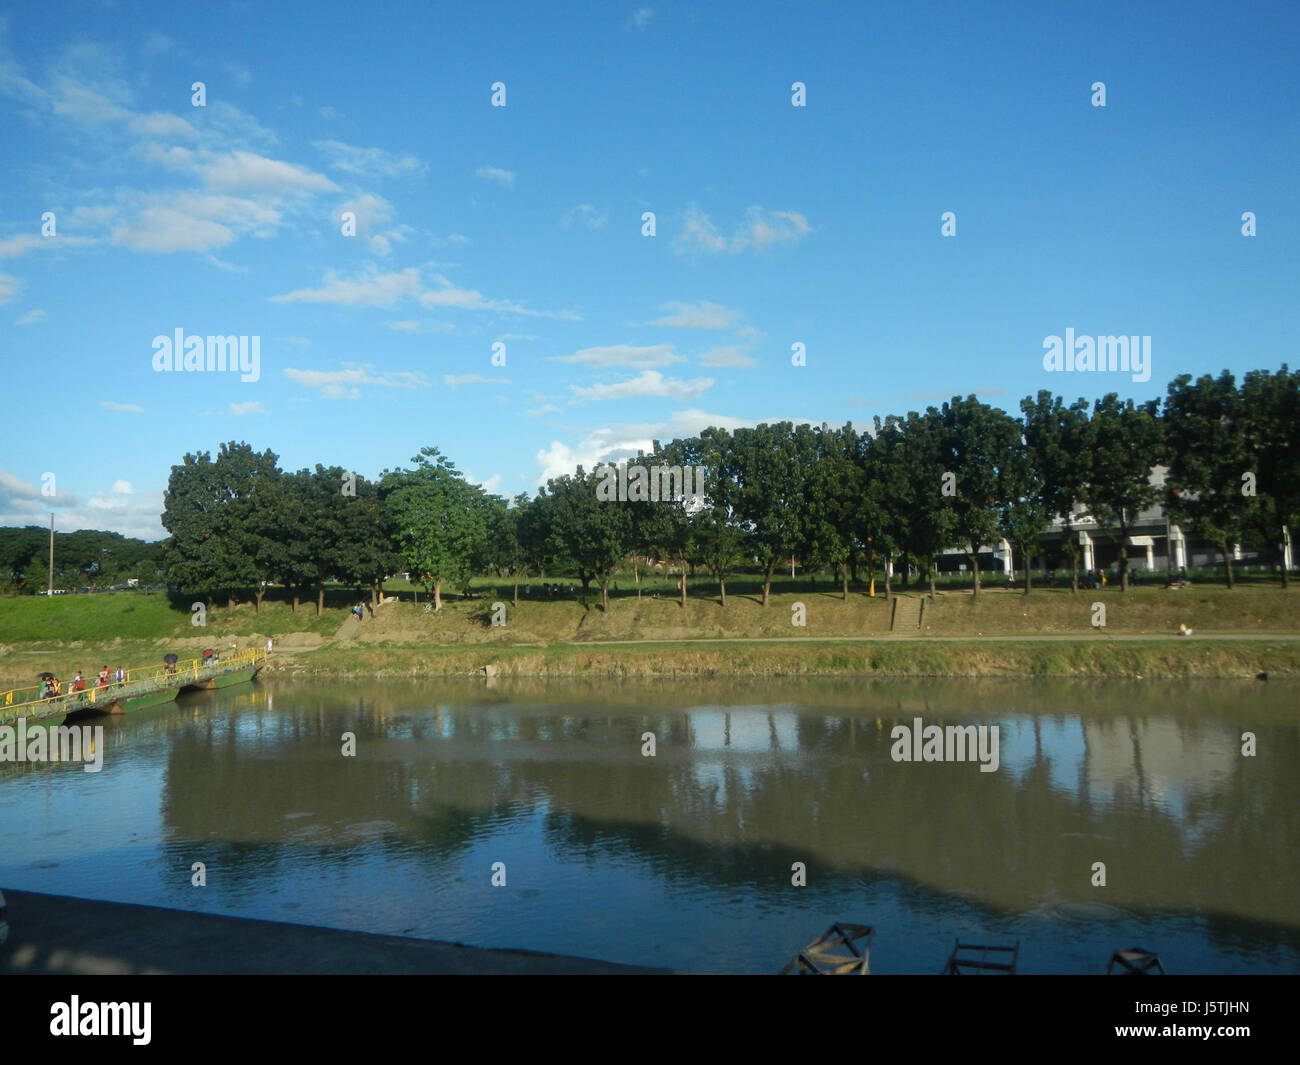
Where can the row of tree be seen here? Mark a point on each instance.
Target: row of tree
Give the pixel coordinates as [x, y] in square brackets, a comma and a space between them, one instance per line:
[87, 557]
[965, 474]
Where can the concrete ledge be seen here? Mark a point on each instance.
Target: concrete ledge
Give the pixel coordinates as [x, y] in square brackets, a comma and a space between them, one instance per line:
[54, 934]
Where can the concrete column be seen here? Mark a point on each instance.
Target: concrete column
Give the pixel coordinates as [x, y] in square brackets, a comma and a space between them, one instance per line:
[1179, 543]
[1086, 541]
[1003, 554]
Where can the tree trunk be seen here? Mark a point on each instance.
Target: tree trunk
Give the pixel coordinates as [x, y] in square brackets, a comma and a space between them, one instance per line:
[437, 596]
[722, 590]
[295, 603]
[930, 569]
[871, 574]
[516, 591]
[1123, 566]
[975, 569]
[320, 600]
[230, 600]
[767, 581]
[636, 577]
[844, 573]
[1227, 562]
[888, 587]
[257, 603]
[683, 561]
[604, 595]
[1028, 579]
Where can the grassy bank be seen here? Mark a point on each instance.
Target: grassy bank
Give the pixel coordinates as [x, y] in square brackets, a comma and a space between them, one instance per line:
[1002, 633]
[915, 658]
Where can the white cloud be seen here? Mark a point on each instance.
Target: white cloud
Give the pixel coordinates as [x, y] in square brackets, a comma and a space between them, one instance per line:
[250, 407]
[373, 289]
[759, 230]
[240, 170]
[727, 355]
[545, 408]
[623, 440]
[195, 221]
[370, 162]
[624, 355]
[128, 408]
[585, 214]
[641, 18]
[651, 383]
[423, 325]
[346, 383]
[22, 243]
[119, 510]
[32, 317]
[504, 178]
[454, 381]
[702, 315]
[8, 288]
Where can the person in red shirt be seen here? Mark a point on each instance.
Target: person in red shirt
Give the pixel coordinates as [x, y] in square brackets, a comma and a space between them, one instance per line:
[78, 685]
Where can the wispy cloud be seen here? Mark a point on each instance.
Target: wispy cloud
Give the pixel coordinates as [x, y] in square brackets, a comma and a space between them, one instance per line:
[649, 384]
[586, 215]
[759, 230]
[641, 18]
[504, 178]
[127, 408]
[370, 162]
[702, 315]
[32, 317]
[348, 382]
[624, 355]
[731, 355]
[375, 289]
[250, 407]
[455, 381]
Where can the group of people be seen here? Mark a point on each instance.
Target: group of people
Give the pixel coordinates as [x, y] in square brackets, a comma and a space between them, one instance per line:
[550, 591]
[358, 612]
[52, 687]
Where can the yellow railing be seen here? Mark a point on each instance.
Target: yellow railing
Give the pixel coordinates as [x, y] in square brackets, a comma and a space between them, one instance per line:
[194, 669]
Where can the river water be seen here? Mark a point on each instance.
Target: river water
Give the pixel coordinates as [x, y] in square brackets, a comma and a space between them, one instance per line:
[684, 859]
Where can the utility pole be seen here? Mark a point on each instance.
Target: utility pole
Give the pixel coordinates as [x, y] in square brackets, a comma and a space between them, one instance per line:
[49, 592]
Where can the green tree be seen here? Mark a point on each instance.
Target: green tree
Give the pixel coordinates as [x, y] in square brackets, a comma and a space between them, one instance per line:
[1127, 441]
[1207, 451]
[206, 509]
[1057, 437]
[977, 441]
[769, 495]
[440, 520]
[1270, 403]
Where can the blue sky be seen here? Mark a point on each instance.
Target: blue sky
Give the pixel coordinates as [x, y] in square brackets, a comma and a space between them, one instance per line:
[522, 224]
